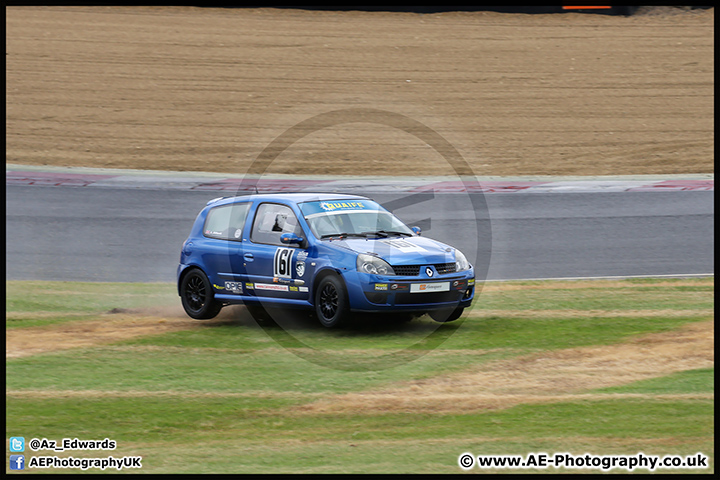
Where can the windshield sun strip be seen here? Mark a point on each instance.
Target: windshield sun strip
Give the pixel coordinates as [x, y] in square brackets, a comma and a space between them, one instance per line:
[322, 214]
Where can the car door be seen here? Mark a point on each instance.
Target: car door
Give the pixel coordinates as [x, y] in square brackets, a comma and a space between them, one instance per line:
[222, 248]
[275, 269]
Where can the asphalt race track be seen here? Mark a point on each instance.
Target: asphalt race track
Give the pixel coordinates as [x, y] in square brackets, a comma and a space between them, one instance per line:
[114, 234]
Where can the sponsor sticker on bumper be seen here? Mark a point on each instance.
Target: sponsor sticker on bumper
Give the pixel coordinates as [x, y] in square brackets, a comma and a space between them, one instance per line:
[271, 286]
[430, 287]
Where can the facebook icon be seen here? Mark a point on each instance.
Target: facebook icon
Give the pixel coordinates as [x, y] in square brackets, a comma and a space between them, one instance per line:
[17, 462]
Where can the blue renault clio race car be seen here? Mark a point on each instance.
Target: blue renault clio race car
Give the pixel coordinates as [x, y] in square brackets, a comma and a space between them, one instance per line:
[333, 254]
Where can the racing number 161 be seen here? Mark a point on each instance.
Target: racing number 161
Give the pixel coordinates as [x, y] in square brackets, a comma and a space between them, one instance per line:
[283, 261]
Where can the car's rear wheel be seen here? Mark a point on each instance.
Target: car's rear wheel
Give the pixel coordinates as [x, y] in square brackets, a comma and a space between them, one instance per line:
[331, 303]
[198, 298]
[446, 315]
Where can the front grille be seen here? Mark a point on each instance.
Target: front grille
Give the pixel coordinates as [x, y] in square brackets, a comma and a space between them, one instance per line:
[407, 298]
[443, 268]
[407, 270]
[414, 270]
[424, 298]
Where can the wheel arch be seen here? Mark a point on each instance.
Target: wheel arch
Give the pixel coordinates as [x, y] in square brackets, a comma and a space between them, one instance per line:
[184, 274]
[321, 275]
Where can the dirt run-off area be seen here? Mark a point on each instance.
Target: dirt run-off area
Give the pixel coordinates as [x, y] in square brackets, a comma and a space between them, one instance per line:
[206, 89]
[111, 327]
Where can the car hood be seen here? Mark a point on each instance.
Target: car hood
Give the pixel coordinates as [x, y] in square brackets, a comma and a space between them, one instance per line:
[402, 250]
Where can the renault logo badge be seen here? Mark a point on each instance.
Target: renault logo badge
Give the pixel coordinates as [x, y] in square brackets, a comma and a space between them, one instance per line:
[429, 271]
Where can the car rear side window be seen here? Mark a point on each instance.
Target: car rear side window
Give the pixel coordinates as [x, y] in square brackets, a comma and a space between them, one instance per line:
[271, 221]
[226, 222]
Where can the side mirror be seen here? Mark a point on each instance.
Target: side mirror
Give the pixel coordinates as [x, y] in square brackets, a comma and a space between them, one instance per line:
[416, 230]
[289, 238]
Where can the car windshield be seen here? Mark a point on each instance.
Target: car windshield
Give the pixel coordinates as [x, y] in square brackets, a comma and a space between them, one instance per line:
[348, 218]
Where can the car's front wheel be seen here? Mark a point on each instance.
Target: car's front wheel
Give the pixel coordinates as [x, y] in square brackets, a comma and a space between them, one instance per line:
[198, 298]
[331, 303]
[446, 315]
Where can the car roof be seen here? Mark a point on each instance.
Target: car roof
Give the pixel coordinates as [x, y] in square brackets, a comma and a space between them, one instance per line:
[289, 197]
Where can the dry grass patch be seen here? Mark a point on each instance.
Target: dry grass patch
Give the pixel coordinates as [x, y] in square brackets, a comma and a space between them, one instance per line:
[542, 377]
[21, 342]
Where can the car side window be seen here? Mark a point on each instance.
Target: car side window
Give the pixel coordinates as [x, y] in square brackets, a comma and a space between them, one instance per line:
[271, 221]
[226, 222]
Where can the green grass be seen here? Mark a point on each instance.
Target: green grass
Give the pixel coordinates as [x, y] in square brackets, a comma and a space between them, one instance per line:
[32, 303]
[242, 436]
[690, 381]
[224, 397]
[632, 296]
[236, 358]
[178, 419]
[536, 333]
[208, 370]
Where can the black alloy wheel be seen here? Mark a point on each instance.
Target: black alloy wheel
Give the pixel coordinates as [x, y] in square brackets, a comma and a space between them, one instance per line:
[197, 296]
[331, 305]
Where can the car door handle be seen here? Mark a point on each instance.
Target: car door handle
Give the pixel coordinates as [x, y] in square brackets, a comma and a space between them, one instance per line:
[249, 257]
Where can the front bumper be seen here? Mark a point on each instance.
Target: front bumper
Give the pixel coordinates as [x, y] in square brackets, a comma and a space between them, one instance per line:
[377, 293]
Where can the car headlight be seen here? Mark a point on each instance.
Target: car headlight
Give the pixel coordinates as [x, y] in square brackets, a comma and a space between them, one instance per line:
[461, 262]
[374, 265]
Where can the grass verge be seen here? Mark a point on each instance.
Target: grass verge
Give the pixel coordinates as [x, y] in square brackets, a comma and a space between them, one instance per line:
[224, 397]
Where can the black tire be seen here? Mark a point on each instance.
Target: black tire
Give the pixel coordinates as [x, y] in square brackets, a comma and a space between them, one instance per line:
[446, 315]
[331, 302]
[198, 297]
